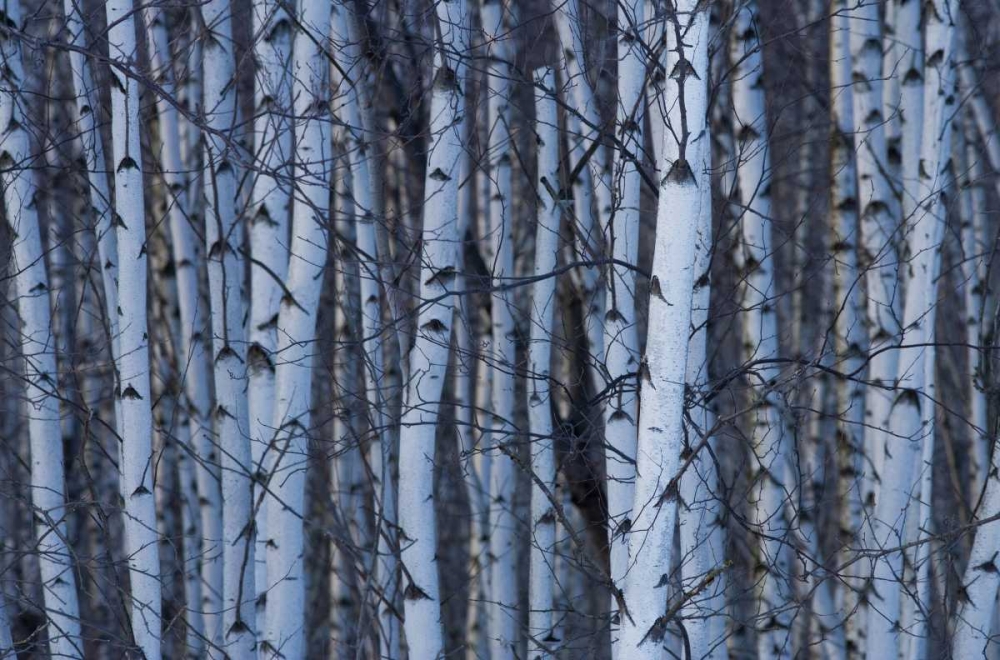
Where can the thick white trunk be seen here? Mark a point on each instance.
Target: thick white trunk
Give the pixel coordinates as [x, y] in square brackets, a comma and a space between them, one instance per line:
[911, 422]
[285, 614]
[502, 614]
[41, 406]
[541, 588]
[684, 195]
[769, 472]
[429, 356]
[270, 206]
[136, 486]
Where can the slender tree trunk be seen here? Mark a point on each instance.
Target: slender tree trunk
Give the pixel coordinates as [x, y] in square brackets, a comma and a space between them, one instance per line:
[270, 206]
[136, 429]
[700, 508]
[585, 129]
[502, 613]
[911, 419]
[769, 474]
[975, 250]
[296, 333]
[41, 409]
[224, 241]
[541, 588]
[429, 356]
[684, 195]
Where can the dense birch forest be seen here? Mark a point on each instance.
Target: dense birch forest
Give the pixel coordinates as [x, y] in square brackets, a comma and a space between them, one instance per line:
[500, 329]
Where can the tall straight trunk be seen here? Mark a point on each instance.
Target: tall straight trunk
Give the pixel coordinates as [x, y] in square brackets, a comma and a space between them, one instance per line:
[83, 117]
[429, 355]
[769, 472]
[700, 507]
[136, 484]
[41, 408]
[224, 243]
[541, 589]
[297, 331]
[355, 113]
[973, 623]
[849, 341]
[975, 248]
[908, 67]
[876, 143]
[188, 257]
[502, 614]
[911, 421]
[585, 127]
[270, 206]
[190, 363]
[621, 333]
[684, 195]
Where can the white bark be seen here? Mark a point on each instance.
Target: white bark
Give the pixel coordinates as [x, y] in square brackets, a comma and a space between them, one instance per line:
[429, 356]
[190, 353]
[312, 165]
[41, 408]
[224, 242]
[583, 124]
[541, 589]
[502, 611]
[270, 206]
[136, 428]
[769, 471]
[849, 342]
[355, 113]
[975, 248]
[911, 423]
[702, 534]
[684, 195]
[621, 334]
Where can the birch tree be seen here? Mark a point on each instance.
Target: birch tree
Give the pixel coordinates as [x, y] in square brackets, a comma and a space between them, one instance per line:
[224, 249]
[912, 417]
[270, 208]
[297, 331]
[543, 302]
[429, 355]
[41, 408]
[769, 474]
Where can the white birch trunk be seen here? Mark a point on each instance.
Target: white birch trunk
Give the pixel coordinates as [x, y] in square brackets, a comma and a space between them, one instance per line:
[769, 472]
[541, 588]
[502, 611]
[270, 206]
[355, 113]
[849, 342]
[285, 632]
[684, 195]
[621, 336]
[583, 124]
[876, 142]
[975, 248]
[136, 486]
[911, 420]
[429, 356]
[224, 242]
[41, 407]
[190, 360]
